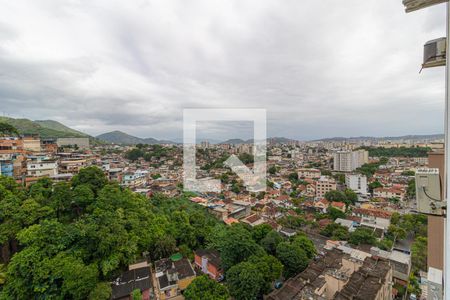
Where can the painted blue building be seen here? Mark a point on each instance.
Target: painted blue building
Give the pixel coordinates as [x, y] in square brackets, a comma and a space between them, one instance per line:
[6, 168]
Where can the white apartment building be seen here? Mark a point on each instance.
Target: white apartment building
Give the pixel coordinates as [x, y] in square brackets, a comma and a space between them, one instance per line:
[42, 168]
[348, 161]
[357, 183]
[309, 173]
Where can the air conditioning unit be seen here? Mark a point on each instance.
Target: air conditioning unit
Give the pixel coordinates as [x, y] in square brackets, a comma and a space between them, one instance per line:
[412, 5]
[428, 191]
[434, 53]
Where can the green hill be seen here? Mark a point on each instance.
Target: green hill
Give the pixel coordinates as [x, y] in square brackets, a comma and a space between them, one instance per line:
[54, 125]
[45, 129]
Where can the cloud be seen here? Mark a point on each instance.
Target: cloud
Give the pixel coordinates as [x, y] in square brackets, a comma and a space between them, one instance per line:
[320, 68]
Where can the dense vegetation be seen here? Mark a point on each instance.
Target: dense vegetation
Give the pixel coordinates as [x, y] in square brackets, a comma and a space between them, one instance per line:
[347, 196]
[69, 240]
[149, 152]
[370, 168]
[216, 164]
[204, 288]
[6, 129]
[397, 152]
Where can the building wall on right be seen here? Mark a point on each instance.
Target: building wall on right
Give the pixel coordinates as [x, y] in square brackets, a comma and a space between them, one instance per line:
[436, 223]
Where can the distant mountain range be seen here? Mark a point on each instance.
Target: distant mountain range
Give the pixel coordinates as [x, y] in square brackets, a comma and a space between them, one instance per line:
[45, 128]
[54, 129]
[392, 138]
[119, 137]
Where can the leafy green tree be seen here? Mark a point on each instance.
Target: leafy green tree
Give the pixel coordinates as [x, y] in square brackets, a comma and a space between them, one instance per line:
[246, 158]
[225, 178]
[413, 285]
[270, 267]
[374, 185]
[334, 195]
[293, 222]
[33, 212]
[411, 190]
[369, 169]
[293, 258]
[82, 197]
[163, 247]
[340, 234]
[362, 236]
[69, 242]
[134, 154]
[351, 196]
[156, 176]
[245, 281]
[385, 244]
[61, 198]
[394, 200]
[383, 160]
[395, 218]
[92, 176]
[236, 188]
[8, 130]
[419, 253]
[306, 244]
[397, 152]
[272, 170]
[330, 229]
[260, 231]
[260, 195]
[204, 288]
[136, 294]
[324, 172]
[12, 215]
[41, 190]
[2, 274]
[102, 291]
[408, 173]
[62, 276]
[271, 241]
[335, 213]
[236, 245]
[293, 177]
[340, 177]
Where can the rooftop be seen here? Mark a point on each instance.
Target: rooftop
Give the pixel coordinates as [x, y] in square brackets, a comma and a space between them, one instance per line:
[130, 280]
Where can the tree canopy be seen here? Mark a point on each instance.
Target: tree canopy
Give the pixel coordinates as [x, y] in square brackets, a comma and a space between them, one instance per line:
[69, 240]
[293, 257]
[7, 129]
[204, 288]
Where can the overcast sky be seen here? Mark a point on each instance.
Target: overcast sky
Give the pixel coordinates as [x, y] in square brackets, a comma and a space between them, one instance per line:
[321, 68]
